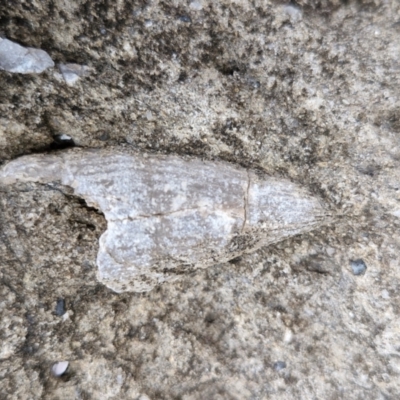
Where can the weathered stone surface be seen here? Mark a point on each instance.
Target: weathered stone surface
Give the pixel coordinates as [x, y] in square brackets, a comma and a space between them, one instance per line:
[23, 60]
[307, 93]
[168, 215]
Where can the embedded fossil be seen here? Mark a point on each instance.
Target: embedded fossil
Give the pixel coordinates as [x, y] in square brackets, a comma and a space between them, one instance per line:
[168, 214]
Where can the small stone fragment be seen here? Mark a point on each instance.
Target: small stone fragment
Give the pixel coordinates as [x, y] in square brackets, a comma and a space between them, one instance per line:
[59, 368]
[65, 137]
[60, 307]
[319, 264]
[72, 72]
[196, 5]
[358, 267]
[279, 366]
[185, 18]
[62, 141]
[23, 60]
[293, 12]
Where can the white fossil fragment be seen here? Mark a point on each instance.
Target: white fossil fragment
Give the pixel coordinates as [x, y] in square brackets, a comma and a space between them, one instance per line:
[167, 214]
[23, 60]
[73, 72]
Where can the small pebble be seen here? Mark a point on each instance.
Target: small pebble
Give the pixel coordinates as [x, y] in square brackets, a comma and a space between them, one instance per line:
[196, 5]
[185, 18]
[254, 83]
[66, 316]
[60, 307]
[330, 251]
[63, 136]
[23, 60]
[294, 13]
[385, 294]
[72, 72]
[358, 267]
[279, 365]
[62, 141]
[59, 368]
[104, 136]
[288, 336]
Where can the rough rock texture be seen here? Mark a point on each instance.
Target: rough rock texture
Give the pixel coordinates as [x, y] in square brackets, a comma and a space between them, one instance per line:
[168, 215]
[307, 92]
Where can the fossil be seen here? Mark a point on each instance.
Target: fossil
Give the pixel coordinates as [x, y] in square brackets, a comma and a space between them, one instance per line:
[168, 214]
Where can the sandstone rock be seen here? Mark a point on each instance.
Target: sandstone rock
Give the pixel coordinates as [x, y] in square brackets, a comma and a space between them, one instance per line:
[309, 94]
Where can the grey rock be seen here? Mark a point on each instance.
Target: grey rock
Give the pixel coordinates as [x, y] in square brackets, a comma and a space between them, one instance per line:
[23, 60]
[196, 5]
[358, 267]
[185, 18]
[60, 307]
[279, 366]
[167, 215]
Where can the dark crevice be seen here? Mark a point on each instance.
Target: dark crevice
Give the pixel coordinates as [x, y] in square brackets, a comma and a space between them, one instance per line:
[58, 143]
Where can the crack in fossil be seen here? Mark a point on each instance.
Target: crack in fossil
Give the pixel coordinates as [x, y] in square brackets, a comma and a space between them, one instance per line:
[246, 201]
[156, 215]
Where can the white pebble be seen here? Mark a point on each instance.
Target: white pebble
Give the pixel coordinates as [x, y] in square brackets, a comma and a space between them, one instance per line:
[72, 72]
[330, 251]
[288, 336]
[23, 60]
[196, 5]
[65, 137]
[293, 12]
[59, 368]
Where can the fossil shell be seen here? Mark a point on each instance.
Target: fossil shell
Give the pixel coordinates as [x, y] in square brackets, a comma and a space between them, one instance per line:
[168, 214]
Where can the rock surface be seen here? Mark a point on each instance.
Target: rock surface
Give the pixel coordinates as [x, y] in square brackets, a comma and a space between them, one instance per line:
[307, 92]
